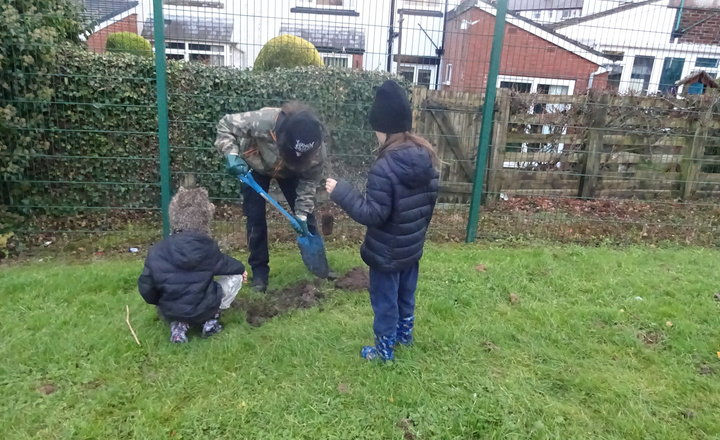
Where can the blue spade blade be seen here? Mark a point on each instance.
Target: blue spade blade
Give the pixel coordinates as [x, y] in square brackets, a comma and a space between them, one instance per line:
[312, 248]
[312, 251]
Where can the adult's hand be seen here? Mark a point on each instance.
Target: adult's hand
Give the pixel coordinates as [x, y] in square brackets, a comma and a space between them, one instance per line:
[235, 165]
[302, 227]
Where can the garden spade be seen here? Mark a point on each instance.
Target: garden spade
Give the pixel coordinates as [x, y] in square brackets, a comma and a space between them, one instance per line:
[312, 248]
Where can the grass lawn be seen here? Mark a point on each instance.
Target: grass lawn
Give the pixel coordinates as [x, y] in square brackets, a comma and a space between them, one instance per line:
[602, 344]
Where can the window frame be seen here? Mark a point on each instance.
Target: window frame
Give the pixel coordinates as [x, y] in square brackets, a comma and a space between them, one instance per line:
[186, 52]
[347, 57]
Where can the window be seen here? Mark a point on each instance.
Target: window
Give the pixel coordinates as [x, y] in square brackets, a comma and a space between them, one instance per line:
[210, 54]
[420, 74]
[196, 3]
[336, 61]
[523, 84]
[542, 86]
[519, 87]
[709, 65]
[423, 77]
[567, 13]
[640, 77]
[448, 74]
[707, 62]
[407, 72]
[672, 71]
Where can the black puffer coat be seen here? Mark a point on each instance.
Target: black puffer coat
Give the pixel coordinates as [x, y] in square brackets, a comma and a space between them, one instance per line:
[402, 189]
[178, 277]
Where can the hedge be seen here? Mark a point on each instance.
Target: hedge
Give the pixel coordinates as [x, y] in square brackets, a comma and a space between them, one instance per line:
[102, 122]
[32, 32]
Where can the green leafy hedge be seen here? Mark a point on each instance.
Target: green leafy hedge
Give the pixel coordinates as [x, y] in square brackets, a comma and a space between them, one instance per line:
[32, 32]
[101, 125]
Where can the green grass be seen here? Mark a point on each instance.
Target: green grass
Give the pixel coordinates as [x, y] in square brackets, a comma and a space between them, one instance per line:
[569, 362]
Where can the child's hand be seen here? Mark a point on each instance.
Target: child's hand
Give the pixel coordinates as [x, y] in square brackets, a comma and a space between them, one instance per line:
[330, 185]
[244, 275]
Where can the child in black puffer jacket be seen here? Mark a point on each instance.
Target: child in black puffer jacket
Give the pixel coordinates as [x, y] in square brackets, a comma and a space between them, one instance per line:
[401, 192]
[179, 271]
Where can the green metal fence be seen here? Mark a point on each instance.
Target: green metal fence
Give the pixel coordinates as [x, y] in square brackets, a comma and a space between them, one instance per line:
[605, 127]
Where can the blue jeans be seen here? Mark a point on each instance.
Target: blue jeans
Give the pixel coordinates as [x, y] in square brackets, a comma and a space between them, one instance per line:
[392, 296]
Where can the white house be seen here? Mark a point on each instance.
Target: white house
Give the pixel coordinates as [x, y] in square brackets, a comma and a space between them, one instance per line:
[655, 42]
[348, 33]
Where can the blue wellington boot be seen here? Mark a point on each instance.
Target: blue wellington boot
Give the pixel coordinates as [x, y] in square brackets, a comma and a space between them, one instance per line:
[405, 330]
[383, 349]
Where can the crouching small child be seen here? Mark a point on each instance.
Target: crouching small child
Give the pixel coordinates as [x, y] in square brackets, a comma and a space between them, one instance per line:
[179, 271]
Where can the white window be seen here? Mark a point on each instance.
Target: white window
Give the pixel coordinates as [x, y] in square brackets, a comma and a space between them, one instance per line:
[206, 53]
[337, 60]
[420, 74]
[541, 86]
[537, 85]
[448, 74]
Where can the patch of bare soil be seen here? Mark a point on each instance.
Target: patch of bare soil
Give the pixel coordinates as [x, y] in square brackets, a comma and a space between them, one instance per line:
[356, 279]
[297, 296]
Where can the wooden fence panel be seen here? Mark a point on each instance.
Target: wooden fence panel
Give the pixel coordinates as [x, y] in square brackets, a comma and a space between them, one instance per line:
[598, 146]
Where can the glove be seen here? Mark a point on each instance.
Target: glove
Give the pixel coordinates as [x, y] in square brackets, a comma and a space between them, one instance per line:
[235, 165]
[302, 228]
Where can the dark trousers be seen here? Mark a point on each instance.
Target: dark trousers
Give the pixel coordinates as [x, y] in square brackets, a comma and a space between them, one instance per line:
[392, 295]
[254, 208]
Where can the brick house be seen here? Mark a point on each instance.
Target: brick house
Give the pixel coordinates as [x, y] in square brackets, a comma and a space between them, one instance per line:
[109, 17]
[699, 21]
[534, 59]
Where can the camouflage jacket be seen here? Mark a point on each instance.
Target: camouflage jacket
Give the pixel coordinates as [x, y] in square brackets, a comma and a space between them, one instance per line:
[250, 135]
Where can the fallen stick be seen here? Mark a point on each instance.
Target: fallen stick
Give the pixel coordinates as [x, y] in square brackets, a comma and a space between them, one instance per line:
[127, 320]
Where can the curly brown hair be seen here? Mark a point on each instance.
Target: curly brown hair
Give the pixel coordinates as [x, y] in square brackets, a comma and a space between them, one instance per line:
[191, 210]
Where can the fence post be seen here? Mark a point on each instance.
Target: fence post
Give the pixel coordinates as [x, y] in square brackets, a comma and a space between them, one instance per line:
[691, 163]
[497, 154]
[162, 112]
[487, 116]
[595, 124]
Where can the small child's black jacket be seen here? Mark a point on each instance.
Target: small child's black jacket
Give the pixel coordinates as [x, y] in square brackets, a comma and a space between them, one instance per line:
[178, 276]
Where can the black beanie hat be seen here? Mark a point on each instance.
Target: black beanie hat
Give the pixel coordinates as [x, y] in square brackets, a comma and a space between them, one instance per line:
[300, 133]
[391, 113]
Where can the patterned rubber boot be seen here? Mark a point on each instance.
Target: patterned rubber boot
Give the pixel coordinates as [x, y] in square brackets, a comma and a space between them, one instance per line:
[178, 330]
[383, 349]
[405, 330]
[212, 326]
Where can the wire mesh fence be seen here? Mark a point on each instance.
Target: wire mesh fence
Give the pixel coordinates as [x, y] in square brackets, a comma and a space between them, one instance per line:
[605, 125]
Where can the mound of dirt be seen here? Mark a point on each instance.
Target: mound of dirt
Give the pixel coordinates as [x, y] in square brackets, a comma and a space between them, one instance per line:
[356, 279]
[303, 295]
[298, 296]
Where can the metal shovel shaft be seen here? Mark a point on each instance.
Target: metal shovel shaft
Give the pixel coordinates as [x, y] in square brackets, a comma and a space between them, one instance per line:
[312, 248]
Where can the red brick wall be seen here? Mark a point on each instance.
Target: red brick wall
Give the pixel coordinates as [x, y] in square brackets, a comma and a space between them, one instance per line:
[96, 41]
[707, 32]
[357, 61]
[524, 54]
